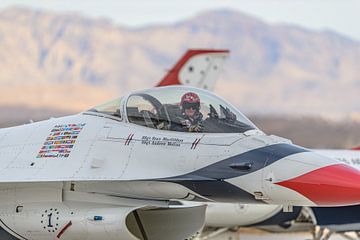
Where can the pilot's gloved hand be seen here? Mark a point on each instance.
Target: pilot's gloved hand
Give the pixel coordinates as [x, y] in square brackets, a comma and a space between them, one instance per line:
[162, 126]
[196, 128]
[186, 123]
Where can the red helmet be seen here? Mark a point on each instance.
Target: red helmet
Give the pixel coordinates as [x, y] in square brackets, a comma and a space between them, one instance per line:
[190, 97]
[190, 100]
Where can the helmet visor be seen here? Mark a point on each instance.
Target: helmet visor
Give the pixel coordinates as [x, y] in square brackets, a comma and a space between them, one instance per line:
[194, 106]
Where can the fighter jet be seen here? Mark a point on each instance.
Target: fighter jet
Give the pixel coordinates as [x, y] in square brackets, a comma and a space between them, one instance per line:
[112, 171]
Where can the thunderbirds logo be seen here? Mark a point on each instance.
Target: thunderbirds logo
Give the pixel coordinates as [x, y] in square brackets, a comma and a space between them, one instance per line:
[60, 141]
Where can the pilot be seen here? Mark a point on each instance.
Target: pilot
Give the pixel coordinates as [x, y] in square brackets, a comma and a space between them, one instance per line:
[192, 118]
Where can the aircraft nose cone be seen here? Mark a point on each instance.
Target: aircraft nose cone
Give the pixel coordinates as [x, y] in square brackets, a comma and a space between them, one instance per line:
[333, 185]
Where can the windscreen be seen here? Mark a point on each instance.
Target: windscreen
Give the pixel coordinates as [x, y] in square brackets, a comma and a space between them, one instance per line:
[109, 108]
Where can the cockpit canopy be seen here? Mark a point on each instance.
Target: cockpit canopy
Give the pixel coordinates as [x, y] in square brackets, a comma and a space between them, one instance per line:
[166, 109]
[179, 109]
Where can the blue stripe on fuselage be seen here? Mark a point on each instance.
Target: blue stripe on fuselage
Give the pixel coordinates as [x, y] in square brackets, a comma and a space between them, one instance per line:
[220, 191]
[258, 158]
[209, 181]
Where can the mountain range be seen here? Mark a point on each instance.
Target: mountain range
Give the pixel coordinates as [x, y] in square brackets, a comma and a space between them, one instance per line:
[65, 61]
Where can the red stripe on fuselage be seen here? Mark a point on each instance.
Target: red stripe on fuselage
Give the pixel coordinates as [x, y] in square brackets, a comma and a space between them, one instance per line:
[333, 185]
[63, 230]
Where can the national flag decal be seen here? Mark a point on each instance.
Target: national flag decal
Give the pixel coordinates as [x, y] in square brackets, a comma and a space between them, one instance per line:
[61, 140]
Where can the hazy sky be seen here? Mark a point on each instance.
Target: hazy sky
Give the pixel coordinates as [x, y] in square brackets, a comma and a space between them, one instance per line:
[342, 16]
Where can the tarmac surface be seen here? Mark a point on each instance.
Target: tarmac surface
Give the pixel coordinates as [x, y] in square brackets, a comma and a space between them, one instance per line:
[282, 236]
[251, 234]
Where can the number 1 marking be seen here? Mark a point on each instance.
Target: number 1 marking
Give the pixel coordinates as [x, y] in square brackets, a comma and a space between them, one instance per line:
[49, 216]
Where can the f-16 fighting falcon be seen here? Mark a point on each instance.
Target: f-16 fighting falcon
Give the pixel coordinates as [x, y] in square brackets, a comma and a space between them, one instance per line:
[113, 171]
